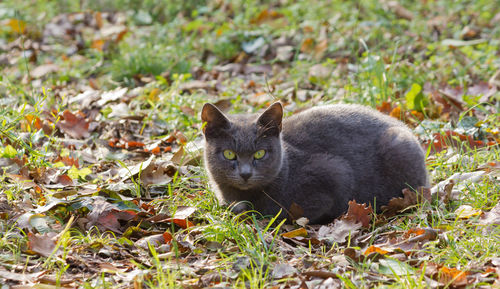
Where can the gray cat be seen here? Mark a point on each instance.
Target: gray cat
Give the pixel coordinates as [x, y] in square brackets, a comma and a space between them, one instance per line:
[320, 159]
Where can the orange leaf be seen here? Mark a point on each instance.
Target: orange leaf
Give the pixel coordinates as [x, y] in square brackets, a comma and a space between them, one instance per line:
[181, 222]
[414, 231]
[385, 107]
[301, 232]
[156, 150]
[321, 47]
[452, 276]
[307, 45]
[374, 249]
[98, 44]
[396, 112]
[168, 237]
[265, 16]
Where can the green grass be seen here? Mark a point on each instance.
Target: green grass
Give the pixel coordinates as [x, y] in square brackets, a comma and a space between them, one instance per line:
[371, 56]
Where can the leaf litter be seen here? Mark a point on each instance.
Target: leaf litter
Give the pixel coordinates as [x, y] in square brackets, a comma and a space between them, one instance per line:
[114, 159]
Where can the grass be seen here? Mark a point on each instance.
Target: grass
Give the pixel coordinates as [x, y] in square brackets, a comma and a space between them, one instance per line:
[369, 55]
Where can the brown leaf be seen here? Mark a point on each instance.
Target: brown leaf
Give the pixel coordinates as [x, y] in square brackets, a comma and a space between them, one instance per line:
[295, 211]
[106, 216]
[65, 180]
[266, 16]
[400, 11]
[359, 213]
[409, 198]
[44, 244]
[74, 125]
[354, 255]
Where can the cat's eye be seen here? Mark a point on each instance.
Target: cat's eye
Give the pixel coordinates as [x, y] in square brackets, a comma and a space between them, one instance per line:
[259, 154]
[229, 154]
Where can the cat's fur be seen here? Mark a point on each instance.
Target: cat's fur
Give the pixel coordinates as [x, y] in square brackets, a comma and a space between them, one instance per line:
[319, 158]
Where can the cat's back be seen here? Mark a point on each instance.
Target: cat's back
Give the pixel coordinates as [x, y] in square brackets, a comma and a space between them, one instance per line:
[339, 123]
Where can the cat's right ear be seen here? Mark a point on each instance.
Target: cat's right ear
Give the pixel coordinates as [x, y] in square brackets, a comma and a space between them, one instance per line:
[215, 120]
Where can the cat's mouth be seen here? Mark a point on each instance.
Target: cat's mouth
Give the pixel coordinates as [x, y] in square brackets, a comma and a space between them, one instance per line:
[245, 185]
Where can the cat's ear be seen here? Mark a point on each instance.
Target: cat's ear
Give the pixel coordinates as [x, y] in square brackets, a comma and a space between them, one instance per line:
[270, 120]
[215, 119]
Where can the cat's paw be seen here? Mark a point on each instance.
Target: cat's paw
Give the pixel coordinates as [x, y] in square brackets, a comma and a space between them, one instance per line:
[239, 208]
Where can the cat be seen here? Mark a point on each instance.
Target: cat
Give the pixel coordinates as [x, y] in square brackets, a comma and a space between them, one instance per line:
[319, 159]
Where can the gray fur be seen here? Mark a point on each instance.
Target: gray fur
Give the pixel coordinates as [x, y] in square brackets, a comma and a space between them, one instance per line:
[320, 158]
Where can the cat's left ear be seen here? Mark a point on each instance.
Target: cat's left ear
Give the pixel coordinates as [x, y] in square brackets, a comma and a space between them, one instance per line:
[270, 120]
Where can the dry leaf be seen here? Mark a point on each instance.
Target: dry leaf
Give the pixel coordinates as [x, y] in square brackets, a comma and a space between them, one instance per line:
[44, 244]
[43, 70]
[359, 213]
[466, 211]
[74, 125]
[375, 249]
[301, 232]
[339, 230]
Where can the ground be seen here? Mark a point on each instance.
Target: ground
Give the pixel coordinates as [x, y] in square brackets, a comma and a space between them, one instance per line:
[102, 184]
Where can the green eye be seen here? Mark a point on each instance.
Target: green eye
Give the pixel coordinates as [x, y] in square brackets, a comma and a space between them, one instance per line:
[229, 154]
[259, 154]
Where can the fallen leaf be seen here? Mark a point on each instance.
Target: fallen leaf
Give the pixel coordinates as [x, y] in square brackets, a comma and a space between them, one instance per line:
[74, 125]
[154, 240]
[76, 174]
[359, 213]
[283, 270]
[466, 211]
[112, 95]
[307, 45]
[375, 249]
[398, 204]
[43, 70]
[296, 211]
[127, 172]
[106, 216]
[266, 16]
[395, 267]
[301, 232]
[44, 244]
[16, 25]
[184, 212]
[339, 230]
[21, 277]
[491, 219]
[452, 276]
[183, 223]
[400, 11]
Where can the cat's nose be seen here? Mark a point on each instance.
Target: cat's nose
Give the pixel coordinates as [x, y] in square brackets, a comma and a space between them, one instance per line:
[246, 175]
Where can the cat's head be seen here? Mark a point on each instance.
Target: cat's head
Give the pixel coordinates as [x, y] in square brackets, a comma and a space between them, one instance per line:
[242, 151]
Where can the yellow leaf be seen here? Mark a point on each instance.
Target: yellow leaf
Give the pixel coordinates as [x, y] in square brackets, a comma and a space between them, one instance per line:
[295, 233]
[16, 25]
[466, 211]
[75, 173]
